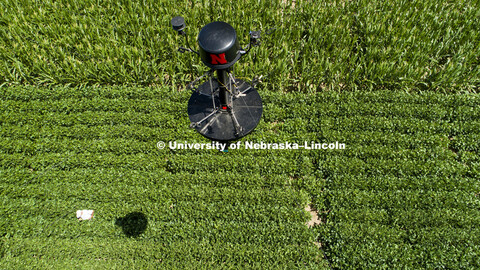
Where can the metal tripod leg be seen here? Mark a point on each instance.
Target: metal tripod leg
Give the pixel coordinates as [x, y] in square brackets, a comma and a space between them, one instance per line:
[209, 122]
[238, 128]
[196, 124]
[212, 92]
[215, 108]
[192, 84]
[234, 82]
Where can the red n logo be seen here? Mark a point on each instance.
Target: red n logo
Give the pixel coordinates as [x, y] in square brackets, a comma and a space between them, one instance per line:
[218, 59]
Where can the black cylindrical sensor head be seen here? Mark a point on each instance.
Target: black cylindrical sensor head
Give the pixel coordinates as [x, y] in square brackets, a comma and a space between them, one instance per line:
[178, 23]
[219, 48]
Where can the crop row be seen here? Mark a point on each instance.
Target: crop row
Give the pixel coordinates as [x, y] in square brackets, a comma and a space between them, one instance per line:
[197, 197]
[380, 99]
[129, 177]
[279, 107]
[128, 253]
[284, 226]
[120, 138]
[350, 199]
[451, 181]
[332, 104]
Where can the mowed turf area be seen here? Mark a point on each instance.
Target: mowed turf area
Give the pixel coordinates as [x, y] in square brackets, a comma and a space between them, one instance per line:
[88, 89]
[404, 192]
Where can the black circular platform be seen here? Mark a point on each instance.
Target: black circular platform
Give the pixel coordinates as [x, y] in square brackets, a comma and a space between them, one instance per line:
[220, 124]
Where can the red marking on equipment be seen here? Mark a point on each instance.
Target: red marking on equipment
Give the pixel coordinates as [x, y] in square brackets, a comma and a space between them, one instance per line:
[218, 59]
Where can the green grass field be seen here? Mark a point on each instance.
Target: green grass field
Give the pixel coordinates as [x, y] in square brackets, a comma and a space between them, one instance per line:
[88, 89]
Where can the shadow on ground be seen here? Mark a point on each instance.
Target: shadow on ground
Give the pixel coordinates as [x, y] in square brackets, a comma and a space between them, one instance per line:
[133, 224]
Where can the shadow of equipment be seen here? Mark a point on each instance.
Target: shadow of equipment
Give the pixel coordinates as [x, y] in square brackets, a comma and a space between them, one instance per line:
[133, 224]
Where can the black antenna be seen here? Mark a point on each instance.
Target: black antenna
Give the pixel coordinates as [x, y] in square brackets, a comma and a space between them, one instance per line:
[223, 108]
[178, 24]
